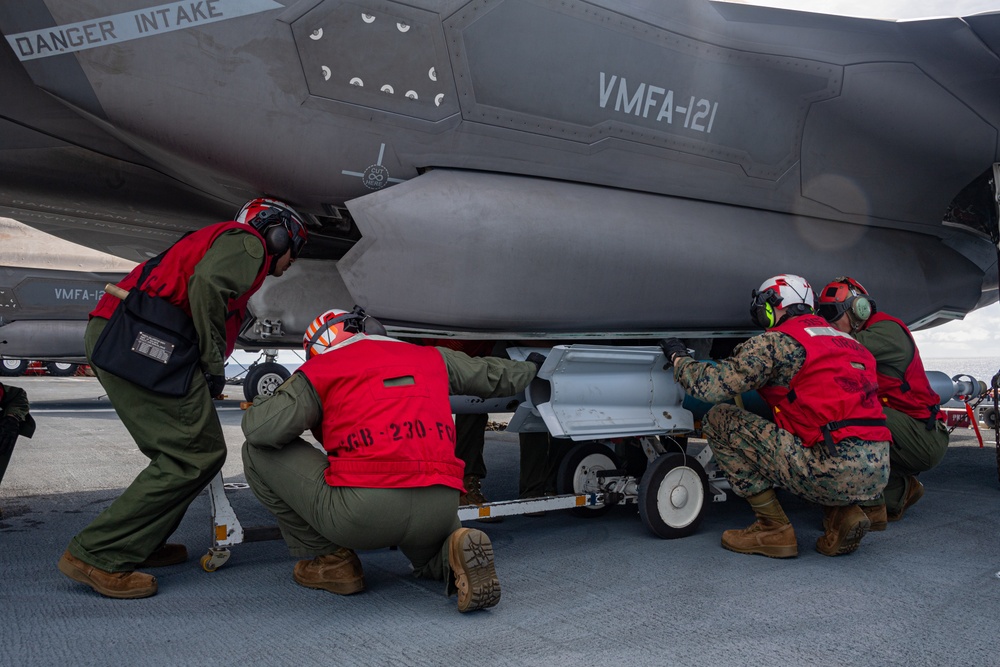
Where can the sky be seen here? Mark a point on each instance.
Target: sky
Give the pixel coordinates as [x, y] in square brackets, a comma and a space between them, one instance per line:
[978, 335]
[885, 9]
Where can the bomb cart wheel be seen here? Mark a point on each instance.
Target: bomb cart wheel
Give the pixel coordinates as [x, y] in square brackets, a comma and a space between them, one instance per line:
[577, 473]
[672, 495]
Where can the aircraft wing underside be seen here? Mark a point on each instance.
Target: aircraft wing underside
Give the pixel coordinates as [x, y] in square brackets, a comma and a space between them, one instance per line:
[530, 167]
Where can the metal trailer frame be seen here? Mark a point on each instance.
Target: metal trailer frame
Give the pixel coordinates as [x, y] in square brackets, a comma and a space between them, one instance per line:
[595, 395]
[599, 396]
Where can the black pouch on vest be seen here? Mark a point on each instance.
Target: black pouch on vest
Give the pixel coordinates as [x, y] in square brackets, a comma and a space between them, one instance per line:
[150, 342]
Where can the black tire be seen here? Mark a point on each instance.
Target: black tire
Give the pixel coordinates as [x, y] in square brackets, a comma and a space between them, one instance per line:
[573, 469]
[633, 457]
[13, 367]
[672, 496]
[263, 379]
[990, 418]
[60, 369]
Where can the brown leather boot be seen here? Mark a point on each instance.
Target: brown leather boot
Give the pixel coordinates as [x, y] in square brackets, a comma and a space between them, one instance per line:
[470, 556]
[339, 572]
[474, 496]
[845, 526]
[122, 585]
[914, 492]
[168, 554]
[877, 515]
[770, 535]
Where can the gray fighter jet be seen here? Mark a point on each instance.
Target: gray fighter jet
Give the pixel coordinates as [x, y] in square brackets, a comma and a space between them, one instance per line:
[519, 168]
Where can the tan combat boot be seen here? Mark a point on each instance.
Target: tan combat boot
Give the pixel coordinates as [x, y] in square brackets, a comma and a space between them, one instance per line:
[877, 515]
[844, 526]
[770, 535]
[470, 556]
[122, 585]
[339, 572]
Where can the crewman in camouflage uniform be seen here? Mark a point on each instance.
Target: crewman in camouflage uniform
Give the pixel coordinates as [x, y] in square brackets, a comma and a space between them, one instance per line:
[388, 474]
[919, 431]
[829, 444]
[210, 275]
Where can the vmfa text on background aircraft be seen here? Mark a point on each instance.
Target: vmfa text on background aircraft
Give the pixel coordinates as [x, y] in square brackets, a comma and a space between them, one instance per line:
[509, 168]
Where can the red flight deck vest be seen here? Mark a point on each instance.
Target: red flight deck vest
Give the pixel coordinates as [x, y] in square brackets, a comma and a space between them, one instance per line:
[170, 278]
[911, 395]
[387, 420]
[834, 394]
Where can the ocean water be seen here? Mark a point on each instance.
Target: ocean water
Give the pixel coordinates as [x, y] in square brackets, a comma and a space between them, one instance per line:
[981, 368]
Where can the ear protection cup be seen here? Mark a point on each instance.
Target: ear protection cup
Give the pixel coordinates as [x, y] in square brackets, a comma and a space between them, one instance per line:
[274, 225]
[762, 306]
[373, 327]
[861, 308]
[277, 239]
[768, 316]
[269, 217]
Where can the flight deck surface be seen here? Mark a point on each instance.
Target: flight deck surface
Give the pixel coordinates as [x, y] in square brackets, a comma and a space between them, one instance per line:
[575, 591]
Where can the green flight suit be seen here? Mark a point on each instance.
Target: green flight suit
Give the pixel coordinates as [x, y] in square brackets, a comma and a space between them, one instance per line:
[914, 449]
[286, 474]
[181, 436]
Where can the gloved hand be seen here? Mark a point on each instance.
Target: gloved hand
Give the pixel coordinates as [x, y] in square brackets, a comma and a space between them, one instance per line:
[8, 432]
[537, 359]
[673, 347]
[216, 383]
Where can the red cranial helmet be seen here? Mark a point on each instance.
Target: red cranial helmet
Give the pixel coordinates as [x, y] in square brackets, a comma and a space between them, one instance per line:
[279, 224]
[845, 295]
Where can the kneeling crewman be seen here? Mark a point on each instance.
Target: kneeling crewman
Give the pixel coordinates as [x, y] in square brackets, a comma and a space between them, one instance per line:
[388, 474]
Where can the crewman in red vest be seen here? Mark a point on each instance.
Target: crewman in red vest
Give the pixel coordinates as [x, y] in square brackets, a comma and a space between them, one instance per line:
[828, 442]
[209, 275]
[919, 431]
[387, 474]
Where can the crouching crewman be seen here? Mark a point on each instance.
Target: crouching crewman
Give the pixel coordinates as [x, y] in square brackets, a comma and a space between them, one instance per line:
[389, 475]
[828, 442]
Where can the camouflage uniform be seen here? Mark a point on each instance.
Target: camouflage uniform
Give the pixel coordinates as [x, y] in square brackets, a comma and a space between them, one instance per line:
[755, 454]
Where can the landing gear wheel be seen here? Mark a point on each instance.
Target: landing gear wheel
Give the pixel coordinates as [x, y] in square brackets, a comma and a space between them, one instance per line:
[263, 379]
[576, 473]
[990, 418]
[214, 559]
[13, 367]
[672, 495]
[60, 369]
